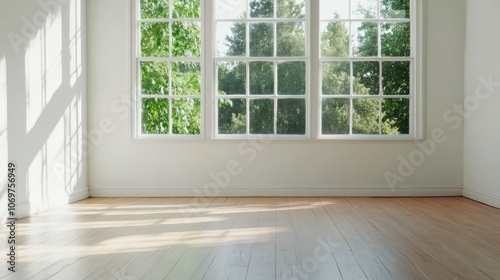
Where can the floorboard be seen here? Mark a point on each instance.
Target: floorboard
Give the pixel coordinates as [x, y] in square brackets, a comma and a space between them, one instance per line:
[264, 238]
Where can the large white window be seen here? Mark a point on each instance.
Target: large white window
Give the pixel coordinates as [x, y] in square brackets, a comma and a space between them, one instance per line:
[319, 69]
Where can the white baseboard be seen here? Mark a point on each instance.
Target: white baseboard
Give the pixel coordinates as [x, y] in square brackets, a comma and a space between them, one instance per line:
[25, 209]
[235, 192]
[483, 197]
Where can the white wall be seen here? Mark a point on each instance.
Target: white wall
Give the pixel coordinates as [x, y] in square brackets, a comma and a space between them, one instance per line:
[119, 166]
[482, 131]
[42, 102]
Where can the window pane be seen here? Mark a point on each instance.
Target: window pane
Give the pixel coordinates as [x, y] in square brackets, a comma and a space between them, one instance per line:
[262, 116]
[396, 77]
[154, 39]
[334, 9]
[186, 116]
[154, 9]
[261, 39]
[335, 39]
[365, 39]
[336, 78]
[186, 9]
[366, 77]
[232, 116]
[292, 78]
[365, 119]
[228, 9]
[261, 77]
[396, 116]
[395, 9]
[291, 39]
[155, 118]
[231, 39]
[154, 78]
[395, 39]
[232, 78]
[261, 8]
[335, 116]
[291, 9]
[186, 78]
[291, 116]
[361, 9]
[186, 39]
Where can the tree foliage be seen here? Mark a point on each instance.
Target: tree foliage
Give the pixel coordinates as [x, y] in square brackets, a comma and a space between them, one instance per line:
[182, 80]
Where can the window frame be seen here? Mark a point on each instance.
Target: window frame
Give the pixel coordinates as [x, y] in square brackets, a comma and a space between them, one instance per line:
[313, 96]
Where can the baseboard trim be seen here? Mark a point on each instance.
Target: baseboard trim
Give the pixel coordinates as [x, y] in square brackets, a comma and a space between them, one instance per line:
[483, 197]
[24, 208]
[236, 192]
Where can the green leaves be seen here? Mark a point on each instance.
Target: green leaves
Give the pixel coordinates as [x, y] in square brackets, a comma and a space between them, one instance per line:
[172, 114]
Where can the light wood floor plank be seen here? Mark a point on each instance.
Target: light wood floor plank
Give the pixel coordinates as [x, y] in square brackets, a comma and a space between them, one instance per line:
[260, 238]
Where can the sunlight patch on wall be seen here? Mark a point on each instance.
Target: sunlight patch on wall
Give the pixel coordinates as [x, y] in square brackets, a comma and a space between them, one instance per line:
[36, 181]
[43, 64]
[75, 41]
[68, 163]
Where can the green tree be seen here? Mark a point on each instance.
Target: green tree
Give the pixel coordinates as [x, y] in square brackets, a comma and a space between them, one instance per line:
[184, 114]
[291, 75]
[395, 42]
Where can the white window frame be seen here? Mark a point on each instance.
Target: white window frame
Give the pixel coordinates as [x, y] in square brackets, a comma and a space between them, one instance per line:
[137, 96]
[209, 128]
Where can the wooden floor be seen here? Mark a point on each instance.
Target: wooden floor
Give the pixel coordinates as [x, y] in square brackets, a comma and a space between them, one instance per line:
[260, 238]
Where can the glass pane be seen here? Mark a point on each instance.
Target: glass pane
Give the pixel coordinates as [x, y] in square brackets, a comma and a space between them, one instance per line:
[261, 77]
[154, 9]
[231, 39]
[395, 9]
[261, 39]
[155, 116]
[186, 78]
[335, 39]
[232, 77]
[186, 9]
[335, 116]
[154, 77]
[262, 116]
[396, 77]
[365, 119]
[291, 39]
[334, 9]
[262, 8]
[232, 116]
[228, 9]
[366, 77]
[395, 39]
[186, 116]
[291, 9]
[365, 39]
[154, 39]
[336, 78]
[186, 39]
[395, 116]
[361, 9]
[291, 116]
[292, 78]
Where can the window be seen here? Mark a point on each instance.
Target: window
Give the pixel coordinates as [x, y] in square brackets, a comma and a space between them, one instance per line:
[169, 59]
[294, 69]
[261, 67]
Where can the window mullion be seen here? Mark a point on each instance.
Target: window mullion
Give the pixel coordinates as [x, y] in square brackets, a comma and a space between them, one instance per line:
[209, 70]
[313, 41]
